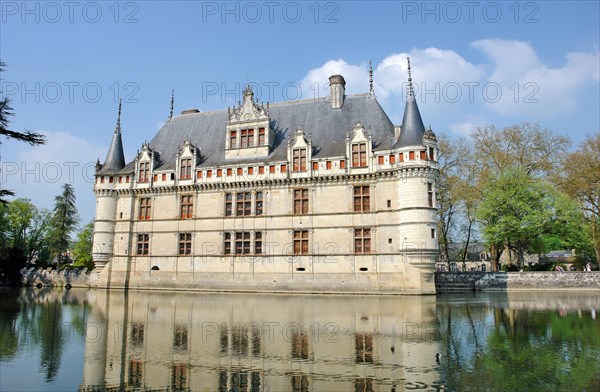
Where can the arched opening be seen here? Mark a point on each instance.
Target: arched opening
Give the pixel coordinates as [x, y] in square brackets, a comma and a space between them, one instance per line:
[155, 268]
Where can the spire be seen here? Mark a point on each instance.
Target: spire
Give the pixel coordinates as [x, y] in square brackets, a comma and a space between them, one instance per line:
[371, 92]
[172, 103]
[412, 129]
[115, 158]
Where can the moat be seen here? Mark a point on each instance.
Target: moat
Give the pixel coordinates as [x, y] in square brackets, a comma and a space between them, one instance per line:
[93, 340]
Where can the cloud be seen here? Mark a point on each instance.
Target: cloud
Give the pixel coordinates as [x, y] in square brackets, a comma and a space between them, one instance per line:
[38, 173]
[316, 82]
[529, 87]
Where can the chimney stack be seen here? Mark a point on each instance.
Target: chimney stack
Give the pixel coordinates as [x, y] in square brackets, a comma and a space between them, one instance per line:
[337, 86]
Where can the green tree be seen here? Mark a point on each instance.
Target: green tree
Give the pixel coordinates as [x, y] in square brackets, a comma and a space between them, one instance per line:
[581, 180]
[520, 210]
[6, 111]
[63, 222]
[82, 250]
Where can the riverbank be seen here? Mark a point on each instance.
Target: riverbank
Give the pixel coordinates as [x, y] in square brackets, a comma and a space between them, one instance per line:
[460, 282]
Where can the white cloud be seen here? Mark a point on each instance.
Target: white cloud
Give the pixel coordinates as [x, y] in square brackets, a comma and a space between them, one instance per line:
[466, 126]
[316, 82]
[38, 173]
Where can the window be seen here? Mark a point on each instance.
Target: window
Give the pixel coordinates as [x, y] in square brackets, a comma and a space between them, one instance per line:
[380, 160]
[144, 168]
[250, 137]
[111, 179]
[228, 204]
[233, 139]
[299, 160]
[137, 334]
[328, 165]
[179, 377]
[219, 172]
[242, 243]
[342, 164]
[258, 207]
[433, 233]
[261, 170]
[180, 338]
[145, 206]
[143, 244]
[392, 159]
[362, 241]
[250, 170]
[185, 170]
[261, 137]
[389, 203]
[244, 138]
[271, 169]
[364, 347]
[209, 173]
[227, 244]
[127, 179]
[185, 244]
[283, 168]
[229, 172]
[300, 242]
[244, 204]
[359, 155]
[361, 199]
[164, 177]
[102, 179]
[187, 207]
[423, 155]
[300, 201]
[135, 372]
[199, 174]
[258, 243]
[315, 166]
[411, 155]
[155, 177]
[430, 194]
[240, 171]
[431, 154]
[401, 157]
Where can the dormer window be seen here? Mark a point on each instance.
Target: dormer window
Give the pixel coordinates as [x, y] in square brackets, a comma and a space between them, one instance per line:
[247, 138]
[299, 159]
[185, 170]
[359, 155]
[144, 170]
[233, 139]
[261, 137]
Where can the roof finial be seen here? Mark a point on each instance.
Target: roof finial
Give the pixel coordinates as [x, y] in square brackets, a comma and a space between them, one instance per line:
[172, 104]
[370, 77]
[411, 91]
[118, 127]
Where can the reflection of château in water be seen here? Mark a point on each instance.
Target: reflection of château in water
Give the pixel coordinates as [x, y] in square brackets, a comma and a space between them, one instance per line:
[166, 341]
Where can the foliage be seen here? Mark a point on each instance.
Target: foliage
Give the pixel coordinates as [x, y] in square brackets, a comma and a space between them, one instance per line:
[82, 249]
[6, 111]
[63, 222]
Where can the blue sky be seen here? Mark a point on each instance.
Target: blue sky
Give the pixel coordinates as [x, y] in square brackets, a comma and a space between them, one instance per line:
[480, 63]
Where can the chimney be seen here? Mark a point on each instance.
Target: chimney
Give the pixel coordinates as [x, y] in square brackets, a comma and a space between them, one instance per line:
[337, 86]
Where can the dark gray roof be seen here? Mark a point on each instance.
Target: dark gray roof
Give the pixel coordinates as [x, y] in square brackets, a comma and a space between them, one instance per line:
[115, 158]
[412, 131]
[327, 128]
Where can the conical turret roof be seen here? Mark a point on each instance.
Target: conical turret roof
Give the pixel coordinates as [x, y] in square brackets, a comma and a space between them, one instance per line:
[115, 158]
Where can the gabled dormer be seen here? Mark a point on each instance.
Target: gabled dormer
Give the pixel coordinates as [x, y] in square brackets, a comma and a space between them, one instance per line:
[359, 146]
[187, 158]
[248, 133]
[144, 164]
[299, 152]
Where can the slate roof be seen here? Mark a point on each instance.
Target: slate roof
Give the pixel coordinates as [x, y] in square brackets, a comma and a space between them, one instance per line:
[115, 158]
[326, 127]
[412, 125]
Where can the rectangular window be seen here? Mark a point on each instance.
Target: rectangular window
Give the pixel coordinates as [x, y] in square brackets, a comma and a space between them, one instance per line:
[431, 154]
[258, 206]
[361, 199]
[299, 159]
[164, 177]
[430, 194]
[145, 207]
[362, 241]
[228, 204]
[179, 377]
[155, 177]
[144, 168]
[363, 343]
[315, 166]
[199, 174]
[240, 171]
[242, 243]
[342, 164]
[283, 168]
[187, 207]
[229, 172]
[120, 179]
[227, 244]
[219, 172]
[411, 155]
[185, 171]
[111, 179]
[209, 173]
[380, 160]
[143, 244]
[137, 334]
[328, 165]
[423, 155]
[258, 250]
[135, 372]
[243, 204]
[401, 157]
[300, 201]
[271, 169]
[261, 137]
[127, 179]
[392, 159]
[300, 242]
[185, 244]
[244, 138]
[359, 155]
[261, 170]
[180, 338]
[433, 233]
[250, 171]
[233, 139]
[250, 137]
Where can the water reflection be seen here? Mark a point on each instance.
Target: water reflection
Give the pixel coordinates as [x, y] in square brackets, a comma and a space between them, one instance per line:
[225, 342]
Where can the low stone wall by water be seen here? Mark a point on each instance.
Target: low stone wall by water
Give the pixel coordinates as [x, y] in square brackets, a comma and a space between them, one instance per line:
[53, 278]
[515, 281]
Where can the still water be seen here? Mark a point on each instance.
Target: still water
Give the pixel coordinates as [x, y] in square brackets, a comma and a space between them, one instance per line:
[94, 340]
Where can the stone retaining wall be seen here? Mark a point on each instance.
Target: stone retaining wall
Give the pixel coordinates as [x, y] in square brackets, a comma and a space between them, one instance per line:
[515, 281]
[53, 278]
